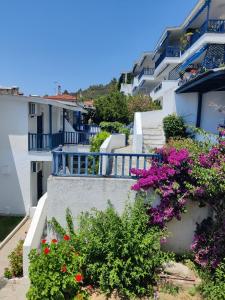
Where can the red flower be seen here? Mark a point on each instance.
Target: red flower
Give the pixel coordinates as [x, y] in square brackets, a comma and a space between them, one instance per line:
[66, 237]
[63, 269]
[79, 277]
[43, 242]
[54, 241]
[46, 250]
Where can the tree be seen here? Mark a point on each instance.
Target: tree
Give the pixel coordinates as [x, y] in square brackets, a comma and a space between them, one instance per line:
[140, 103]
[111, 108]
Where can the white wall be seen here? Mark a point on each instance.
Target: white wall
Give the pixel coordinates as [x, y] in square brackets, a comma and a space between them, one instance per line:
[137, 134]
[35, 232]
[14, 162]
[114, 141]
[126, 89]
[211, 117]
[83, 193]
[186, 107]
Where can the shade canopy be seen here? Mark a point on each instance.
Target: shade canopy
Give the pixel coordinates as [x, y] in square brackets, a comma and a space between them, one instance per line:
[194, 57]
[209, 81]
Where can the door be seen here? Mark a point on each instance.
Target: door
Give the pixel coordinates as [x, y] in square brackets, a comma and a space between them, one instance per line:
[40, 132]
[39, 185]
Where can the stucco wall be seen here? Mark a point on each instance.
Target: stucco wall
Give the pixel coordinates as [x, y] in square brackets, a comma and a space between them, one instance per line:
[82, 194]
[186, 106]
[211, 117]
[14, 162]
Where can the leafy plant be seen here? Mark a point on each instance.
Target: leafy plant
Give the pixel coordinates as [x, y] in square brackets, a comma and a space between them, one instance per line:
[56, 270]
[115, 127]
[7, 273]
[141, 103]
[170, 288]
[111, 108]
[15, 262]
[174, 127]
[215, 287]
[98, 140]
[121, 252]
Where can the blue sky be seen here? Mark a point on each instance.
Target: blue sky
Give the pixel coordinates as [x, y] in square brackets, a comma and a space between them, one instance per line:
[78, 42]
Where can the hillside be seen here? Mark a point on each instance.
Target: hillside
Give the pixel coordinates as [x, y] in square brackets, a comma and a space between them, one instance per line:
[94, 91]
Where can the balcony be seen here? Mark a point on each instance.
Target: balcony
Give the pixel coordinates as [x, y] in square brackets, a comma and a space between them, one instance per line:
[47, 142]
[146, 71]
[210, 26]
[170, 51]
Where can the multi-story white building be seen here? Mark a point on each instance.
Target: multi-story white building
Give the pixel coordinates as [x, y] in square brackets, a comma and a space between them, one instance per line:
[30, 128]
[186, 70]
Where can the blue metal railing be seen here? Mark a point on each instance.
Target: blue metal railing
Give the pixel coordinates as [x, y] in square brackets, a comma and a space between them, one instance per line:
[169, 51]
[116, 165]
[210, 26]
[47, 142]
[146, 71]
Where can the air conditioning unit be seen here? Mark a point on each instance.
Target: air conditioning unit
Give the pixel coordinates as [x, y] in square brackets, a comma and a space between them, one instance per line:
[32, 109]
[36, 166]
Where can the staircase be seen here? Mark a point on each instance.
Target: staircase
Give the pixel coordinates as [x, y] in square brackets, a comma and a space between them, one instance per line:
[153, 137]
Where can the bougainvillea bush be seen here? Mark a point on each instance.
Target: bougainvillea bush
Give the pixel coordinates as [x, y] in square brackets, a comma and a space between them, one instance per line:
[186, 176]
[55, 271]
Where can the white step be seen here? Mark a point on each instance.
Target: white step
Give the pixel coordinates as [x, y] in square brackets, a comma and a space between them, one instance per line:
[153, 137]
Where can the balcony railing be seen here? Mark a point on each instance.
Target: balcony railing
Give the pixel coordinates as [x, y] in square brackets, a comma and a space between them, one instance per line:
[91, 128]
[170, 51]
[47, 142]
[146, 71]
[99, 164]
[210, 26]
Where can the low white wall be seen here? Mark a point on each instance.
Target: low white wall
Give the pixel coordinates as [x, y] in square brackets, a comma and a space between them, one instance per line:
[182, 232]
[83, 193]
[114, 141]
[35, 231]
[137, 134]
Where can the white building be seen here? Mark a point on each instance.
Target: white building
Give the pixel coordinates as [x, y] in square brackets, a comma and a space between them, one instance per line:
[30, 127]
[185, 73]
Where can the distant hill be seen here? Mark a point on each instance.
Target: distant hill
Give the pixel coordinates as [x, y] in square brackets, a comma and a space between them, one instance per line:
[94, 91]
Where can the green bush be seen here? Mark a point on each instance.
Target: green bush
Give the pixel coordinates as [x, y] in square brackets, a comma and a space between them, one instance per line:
[174, 127]
[112, 127]
[121, 253]
[111, 107]
[97, 140]
[115, 127]
[15, 262]
[8, 273]
[215, 287]
[55, 271]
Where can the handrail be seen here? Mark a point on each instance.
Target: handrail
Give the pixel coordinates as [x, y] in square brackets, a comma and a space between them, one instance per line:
[146, 71]
[47, 141]
[115, 165]
[169, 51]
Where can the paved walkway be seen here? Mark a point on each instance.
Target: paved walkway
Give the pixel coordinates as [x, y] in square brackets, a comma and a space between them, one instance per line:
[10, 246]
[14, 289]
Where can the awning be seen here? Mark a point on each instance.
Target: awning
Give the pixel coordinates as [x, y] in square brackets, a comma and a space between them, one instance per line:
[193, 58]
[207, 82]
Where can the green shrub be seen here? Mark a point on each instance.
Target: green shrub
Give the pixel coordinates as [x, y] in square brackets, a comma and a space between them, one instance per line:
[121, 253]
[97, 141]
[115, 127]
[15, 262]
[112, 127]
[215, 287]
[174, 127]
[8, 273]
[55, 271]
